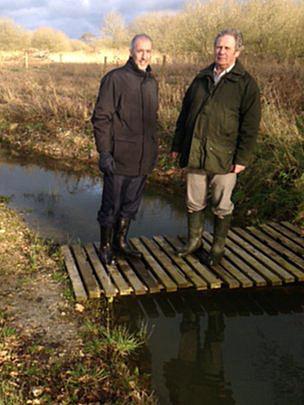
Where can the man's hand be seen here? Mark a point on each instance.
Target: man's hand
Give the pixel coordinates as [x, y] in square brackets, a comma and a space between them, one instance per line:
[106, 162]
[237, 168]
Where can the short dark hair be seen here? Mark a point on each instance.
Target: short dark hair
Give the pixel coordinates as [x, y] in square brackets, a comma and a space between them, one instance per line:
[236, 34]
[134, 39]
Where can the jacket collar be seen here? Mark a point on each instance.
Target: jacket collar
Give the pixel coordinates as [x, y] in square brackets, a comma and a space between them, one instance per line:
[234, 75]
[131, 65]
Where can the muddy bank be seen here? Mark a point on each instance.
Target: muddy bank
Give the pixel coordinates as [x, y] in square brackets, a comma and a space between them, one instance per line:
[53, 350]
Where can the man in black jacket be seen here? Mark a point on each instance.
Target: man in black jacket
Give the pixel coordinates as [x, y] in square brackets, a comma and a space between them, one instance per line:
[124, 122]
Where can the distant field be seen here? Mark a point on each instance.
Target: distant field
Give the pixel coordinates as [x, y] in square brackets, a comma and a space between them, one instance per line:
[37, 57]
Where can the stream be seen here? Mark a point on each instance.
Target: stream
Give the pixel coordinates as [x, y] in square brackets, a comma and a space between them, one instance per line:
[230, 347]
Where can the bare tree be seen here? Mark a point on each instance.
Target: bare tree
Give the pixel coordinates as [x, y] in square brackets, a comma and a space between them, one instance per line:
[12, 36]
[113, 30]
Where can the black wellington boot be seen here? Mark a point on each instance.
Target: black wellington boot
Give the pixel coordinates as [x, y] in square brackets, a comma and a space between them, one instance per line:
[120, 239]
[105, 247]
[195, 232]
[221, 228]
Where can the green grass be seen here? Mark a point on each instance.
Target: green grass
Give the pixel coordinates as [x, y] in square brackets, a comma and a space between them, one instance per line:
[7, 331]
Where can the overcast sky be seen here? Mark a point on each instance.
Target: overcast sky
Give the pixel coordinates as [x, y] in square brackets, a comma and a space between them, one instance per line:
[75, 17]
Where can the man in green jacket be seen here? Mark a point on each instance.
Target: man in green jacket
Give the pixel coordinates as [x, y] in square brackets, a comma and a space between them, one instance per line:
[215, 137]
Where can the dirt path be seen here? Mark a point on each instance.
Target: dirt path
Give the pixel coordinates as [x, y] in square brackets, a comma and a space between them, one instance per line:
[53, 350]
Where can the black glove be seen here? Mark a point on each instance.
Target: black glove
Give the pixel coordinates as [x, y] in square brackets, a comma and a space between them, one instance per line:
[106, 162]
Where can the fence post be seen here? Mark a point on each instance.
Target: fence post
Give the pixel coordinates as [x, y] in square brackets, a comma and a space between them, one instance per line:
[104, 64]
[26, 60]
[163, 66]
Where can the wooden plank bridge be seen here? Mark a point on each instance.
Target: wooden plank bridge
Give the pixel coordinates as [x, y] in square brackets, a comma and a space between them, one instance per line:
[268, 255]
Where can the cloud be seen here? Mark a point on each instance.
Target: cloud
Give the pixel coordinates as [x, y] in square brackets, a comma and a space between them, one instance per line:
[75, 17]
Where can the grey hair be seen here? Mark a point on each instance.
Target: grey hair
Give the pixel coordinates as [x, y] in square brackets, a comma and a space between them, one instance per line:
[236, 34]
[138, 36]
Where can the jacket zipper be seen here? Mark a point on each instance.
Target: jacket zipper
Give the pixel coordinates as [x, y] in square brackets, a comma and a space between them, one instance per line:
[143, 128]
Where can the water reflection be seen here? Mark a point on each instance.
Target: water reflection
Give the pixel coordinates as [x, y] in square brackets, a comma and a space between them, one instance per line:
[197, 373]
[223, 348]
[63, 206]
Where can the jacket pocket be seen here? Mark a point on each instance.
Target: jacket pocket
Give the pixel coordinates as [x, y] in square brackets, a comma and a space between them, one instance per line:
[231, 123]
[126, 154]
[218, 157]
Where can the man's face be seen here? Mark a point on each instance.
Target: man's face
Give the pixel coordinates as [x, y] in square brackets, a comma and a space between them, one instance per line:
[141, 53]
[224, 52]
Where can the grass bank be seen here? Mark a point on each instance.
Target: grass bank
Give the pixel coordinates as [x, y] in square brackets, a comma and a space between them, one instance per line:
[46, 111]
[53, 350]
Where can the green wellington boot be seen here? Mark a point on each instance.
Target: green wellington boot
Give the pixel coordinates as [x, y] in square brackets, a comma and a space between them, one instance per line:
[195, 232]
[221, 228]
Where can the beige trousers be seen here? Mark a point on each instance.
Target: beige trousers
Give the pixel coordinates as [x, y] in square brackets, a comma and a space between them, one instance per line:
[221, 186]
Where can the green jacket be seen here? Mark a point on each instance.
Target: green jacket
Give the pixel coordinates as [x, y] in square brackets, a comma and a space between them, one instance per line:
[218, 125]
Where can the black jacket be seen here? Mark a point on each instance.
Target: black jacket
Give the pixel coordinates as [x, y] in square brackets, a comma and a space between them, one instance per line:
[124, 119]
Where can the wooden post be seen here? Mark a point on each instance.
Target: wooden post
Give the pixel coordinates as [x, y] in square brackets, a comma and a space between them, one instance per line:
[163, 65]
[104, 64]
[26, 60]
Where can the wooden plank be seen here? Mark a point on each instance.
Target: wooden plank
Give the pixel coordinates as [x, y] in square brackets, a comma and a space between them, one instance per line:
[124, 267]
[159, 272]
[297, 239]
[244, 267]
[232, 273]
[123, 287]
[78, 288]
[278, 248]
[258, 267]
[219, 270]
[142, 271]
[86, 271]
[293, 228]
[163, 259]
[212, 280]
[105, 280]
[287, 243]
[199, 282]
[270, 253]
[261, 257]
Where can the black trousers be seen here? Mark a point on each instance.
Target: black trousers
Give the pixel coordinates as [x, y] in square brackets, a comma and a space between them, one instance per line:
[121, 197]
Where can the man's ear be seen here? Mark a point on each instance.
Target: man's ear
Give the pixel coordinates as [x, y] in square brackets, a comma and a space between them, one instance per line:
[237, 53]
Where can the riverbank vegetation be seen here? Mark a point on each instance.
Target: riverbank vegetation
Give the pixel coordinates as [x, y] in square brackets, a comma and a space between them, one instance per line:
[53, 350]
[46, 112]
